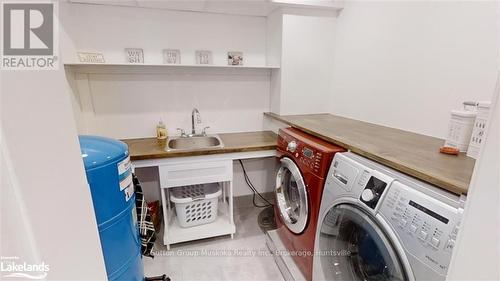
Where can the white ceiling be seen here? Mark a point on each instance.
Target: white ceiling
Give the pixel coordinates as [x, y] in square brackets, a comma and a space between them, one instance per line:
[234, 7]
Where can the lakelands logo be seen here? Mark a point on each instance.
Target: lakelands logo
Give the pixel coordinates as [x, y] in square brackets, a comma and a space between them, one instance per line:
[29, 37]
[13, 267]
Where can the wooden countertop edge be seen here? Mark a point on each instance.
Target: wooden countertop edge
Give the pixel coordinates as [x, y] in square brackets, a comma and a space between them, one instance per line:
[447, 184]
[201, 152]
[158, 153]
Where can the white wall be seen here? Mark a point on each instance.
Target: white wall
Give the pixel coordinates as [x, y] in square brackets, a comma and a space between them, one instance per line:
[110, 29]
[129, 106]
[44, 180]
[303, 42]
[17, 236]
[274, 39]
[477, 254]
[407, 64]
[306, 63]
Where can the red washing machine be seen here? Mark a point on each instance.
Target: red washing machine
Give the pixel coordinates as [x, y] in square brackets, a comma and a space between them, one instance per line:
[304, 164]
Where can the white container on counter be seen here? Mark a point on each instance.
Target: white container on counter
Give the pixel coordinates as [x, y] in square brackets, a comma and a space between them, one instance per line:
[479, 129]
[460, 129]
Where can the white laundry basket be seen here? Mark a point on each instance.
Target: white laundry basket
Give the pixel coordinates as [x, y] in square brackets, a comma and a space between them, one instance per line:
[196, 204]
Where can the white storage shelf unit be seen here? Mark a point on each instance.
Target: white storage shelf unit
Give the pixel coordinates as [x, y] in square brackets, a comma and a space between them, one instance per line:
[191, 173]
[144, 68]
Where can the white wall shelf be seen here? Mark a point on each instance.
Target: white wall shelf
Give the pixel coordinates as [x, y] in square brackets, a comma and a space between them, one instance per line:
[125, 68]
[248, 8]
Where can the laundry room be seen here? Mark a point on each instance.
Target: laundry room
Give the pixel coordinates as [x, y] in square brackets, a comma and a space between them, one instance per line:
[235, 140]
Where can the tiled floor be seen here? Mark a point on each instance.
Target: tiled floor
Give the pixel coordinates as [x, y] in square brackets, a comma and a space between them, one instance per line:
[228, 266]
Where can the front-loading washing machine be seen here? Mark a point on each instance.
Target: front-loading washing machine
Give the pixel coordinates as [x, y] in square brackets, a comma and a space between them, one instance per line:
[304, 163]
[378, 224]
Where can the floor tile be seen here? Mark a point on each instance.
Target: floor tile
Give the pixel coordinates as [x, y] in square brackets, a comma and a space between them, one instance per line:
[221, 258]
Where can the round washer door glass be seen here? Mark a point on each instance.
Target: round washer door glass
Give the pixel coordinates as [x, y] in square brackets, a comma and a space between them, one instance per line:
[291, 196]
[355, 248]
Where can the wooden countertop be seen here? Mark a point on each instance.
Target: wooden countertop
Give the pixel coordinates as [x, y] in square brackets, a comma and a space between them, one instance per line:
[413, 154]
[151, 148]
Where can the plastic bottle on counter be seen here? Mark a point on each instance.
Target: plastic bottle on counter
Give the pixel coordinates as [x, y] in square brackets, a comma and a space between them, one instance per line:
[161, 131]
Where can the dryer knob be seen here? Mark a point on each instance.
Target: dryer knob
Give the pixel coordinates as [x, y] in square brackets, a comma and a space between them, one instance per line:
[292, 146]
[367, 195]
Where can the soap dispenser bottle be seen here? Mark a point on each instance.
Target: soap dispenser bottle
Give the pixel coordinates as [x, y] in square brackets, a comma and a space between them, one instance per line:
[161, 131]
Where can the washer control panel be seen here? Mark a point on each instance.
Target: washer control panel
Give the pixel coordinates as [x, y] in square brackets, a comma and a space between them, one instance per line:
[310, 158]
[427, 227]
[373, 191]
[311, 154]
[301, 152]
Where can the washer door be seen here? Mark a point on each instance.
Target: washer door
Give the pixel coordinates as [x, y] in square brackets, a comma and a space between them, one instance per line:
[291, 196]
[354, 247]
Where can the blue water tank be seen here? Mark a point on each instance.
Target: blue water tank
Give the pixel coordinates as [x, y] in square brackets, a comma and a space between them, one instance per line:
[107, 165]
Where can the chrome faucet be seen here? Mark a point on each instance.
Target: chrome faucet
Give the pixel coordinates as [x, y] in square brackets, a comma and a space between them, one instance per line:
[194, 114]
[198, 120]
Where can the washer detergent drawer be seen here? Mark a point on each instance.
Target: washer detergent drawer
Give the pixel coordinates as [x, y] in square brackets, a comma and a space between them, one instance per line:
[195, 172]
[344, 174]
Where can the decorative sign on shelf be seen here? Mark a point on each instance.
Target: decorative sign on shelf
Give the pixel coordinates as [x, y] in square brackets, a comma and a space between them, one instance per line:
[134, 55]
[234, 58]
[171, 56]
[90, 57]
[203, 57]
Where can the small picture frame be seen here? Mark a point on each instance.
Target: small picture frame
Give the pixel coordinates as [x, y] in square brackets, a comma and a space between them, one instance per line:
[203, 57]
[134, 55]
[171, 56]
[234, 58]
[86, 57]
